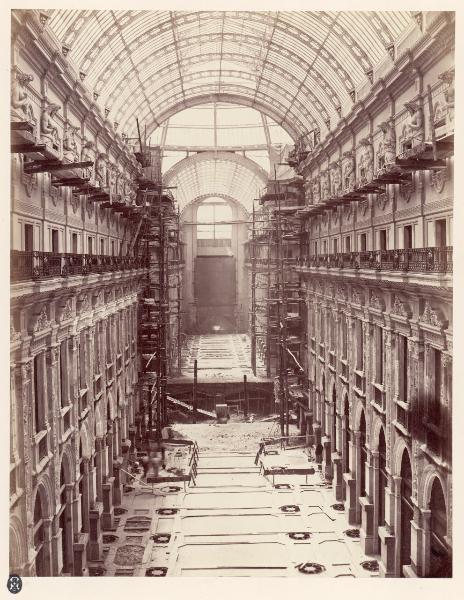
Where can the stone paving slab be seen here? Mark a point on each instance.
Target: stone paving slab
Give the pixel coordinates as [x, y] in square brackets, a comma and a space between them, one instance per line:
[231, 524]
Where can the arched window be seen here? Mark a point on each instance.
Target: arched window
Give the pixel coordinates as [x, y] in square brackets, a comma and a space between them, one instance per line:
[407, 512]
[39, 537]
[440, 556]
[213, 218]
[383, 479]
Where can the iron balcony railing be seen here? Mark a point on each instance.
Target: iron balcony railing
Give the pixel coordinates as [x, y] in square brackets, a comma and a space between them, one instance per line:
[416, 260]
[26, 266]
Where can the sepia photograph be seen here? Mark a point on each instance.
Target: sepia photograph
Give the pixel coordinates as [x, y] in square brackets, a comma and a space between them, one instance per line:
[231, 293]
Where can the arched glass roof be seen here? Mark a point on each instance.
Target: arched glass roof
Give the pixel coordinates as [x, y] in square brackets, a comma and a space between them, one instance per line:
[219, 126]
[216, 174]
[297, 67]
[236, 86]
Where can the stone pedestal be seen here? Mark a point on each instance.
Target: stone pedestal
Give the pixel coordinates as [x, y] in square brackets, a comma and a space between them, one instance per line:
[351, 498]
[387, 553]
[80, 558]
[108, 509]
[57, 541]
[94, 552]
[337, 482]
[327, 459]
[368, 534]
[118, 481]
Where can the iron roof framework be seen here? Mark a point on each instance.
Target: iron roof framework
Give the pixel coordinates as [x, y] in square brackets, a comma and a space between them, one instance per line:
[298, 69]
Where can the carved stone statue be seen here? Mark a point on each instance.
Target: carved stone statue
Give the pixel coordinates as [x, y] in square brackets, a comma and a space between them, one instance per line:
[316, 190]
[21, 106]
[70, 149]
[48, 127]
[324, 185]
[336, 179]
[101, 173]
[308, 191]
[366, 161]
[388, 142]
[88, 155]
[348, 171]
[448, 93]
[112, 169]
[414, 128]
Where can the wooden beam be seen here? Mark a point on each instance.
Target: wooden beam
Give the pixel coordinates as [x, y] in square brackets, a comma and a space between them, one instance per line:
[53, 165]
[27, 148]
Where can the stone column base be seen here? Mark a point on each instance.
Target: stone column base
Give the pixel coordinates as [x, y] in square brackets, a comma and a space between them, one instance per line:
[95, 547]
[409, 571]
[351, 498]
[327, 459]
[367, 533]
[108, 509]
[337, 482]
[387, 553]
[80, 559]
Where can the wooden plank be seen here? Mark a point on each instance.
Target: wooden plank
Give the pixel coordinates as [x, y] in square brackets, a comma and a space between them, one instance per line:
[26, 148]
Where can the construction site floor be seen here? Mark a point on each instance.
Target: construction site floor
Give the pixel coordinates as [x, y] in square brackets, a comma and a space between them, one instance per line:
[234, 521]
[220, 358]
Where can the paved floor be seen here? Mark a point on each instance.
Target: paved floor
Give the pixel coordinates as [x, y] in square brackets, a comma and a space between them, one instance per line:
[232, 524]
[220, 358]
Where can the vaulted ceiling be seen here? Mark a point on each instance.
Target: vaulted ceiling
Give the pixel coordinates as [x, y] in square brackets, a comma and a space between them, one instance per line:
[300, 69]
[297, 67]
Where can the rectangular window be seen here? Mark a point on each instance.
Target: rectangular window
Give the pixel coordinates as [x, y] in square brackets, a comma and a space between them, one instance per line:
[407, 237]
[112, 247]
[324, 251]
[335, 245]
[108, 342]
[382, 239]
[435, 387]
[379, 364]
[64, 373]
[403, 368]
[359, 345]
[74, 247]
[348, 244]
[28, 237]
[363, 242]
[102, 246]
[54, 245]
[82, 361]
[97, 348]
[344, 327]
[315, 248]
[39, 378]
[89, 245]
[440, 233]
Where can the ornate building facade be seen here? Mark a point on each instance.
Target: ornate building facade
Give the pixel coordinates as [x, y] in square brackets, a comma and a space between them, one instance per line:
[378, 281]
[74, 303]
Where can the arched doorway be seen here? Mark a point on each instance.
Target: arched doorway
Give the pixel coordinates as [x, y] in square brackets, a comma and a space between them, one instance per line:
[346, 436]
[323, 406]
[440, 556]
[65, 524]
[407, 512]
[383, 479]
[334, 420]
[363, 455]
[39, 536]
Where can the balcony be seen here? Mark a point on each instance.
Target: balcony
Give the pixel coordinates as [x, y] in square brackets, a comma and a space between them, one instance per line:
[414, 260]
[33, 266]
